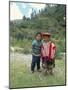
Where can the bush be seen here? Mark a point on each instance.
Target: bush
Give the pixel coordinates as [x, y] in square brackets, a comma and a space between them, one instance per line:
[26, 51]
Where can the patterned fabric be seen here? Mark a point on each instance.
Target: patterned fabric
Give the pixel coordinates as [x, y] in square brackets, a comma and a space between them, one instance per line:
[48, 50]
[47, 63]
[36, 48]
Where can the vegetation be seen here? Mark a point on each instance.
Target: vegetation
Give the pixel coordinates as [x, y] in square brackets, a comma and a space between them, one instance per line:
[50, 19]
[21, 75]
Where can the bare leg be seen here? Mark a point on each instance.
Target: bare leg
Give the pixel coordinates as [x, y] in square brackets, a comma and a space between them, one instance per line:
[51, 71]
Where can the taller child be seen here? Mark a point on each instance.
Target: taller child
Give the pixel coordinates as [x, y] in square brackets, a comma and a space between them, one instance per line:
[48, 51]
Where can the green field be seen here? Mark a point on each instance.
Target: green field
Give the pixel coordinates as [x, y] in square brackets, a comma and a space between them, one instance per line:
[21, 76]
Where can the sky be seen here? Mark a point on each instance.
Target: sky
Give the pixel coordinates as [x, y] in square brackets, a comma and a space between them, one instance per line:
[18, 10]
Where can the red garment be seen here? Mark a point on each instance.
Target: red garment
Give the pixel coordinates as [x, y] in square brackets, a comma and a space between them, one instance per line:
[48, 49]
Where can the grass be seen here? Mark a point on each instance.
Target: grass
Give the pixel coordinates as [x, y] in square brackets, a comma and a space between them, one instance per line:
[21, 76]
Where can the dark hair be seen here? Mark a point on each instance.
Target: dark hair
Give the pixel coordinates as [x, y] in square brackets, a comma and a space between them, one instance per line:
[38, 33]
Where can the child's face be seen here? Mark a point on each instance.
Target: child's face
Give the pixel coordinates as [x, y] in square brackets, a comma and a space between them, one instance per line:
[46, 38]
[38, 37]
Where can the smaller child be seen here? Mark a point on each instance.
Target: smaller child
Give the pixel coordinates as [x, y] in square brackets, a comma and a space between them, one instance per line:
[48, 50]
[36, 52]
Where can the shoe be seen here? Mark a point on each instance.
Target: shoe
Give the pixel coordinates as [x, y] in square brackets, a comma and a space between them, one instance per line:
[32, 71]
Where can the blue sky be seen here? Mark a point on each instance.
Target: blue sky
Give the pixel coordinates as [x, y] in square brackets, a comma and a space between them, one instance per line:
[18, 10]
[25, 8]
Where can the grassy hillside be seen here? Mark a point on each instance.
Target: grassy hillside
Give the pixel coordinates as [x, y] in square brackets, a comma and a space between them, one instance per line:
[50, 19]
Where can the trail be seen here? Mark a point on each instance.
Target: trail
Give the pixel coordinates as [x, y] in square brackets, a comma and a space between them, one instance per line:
[26, 59]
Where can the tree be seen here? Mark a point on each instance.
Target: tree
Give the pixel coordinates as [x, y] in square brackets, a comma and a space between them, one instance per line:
[24, 18]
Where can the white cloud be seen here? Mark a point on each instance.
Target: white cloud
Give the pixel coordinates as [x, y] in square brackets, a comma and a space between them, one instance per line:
[38, 6]
[35, 6]
[15, 12]
[29, 13]
[24, 6]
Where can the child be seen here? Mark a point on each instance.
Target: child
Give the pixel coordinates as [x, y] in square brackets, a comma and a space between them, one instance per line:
[48, 50]
[36, 52]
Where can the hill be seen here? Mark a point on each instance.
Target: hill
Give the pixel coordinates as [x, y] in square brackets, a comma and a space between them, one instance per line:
[51, 19]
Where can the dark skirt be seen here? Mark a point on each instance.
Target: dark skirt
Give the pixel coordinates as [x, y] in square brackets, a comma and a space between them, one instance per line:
[48, 63]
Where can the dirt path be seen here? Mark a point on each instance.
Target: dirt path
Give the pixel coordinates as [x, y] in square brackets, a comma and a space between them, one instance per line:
[21, 57]
[26, 59]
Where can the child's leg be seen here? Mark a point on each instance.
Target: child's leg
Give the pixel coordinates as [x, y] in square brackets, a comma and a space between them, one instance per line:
[38, 63]
[51, 67]
[43, 62]
[47, 67]
[46, 71]
[53, 62]
[51, 71]
[33, 63]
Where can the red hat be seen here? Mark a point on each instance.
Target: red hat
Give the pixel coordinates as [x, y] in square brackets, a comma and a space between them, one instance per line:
[46, 34]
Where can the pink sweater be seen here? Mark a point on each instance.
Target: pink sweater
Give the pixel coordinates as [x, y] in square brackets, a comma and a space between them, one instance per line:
[48, 49]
